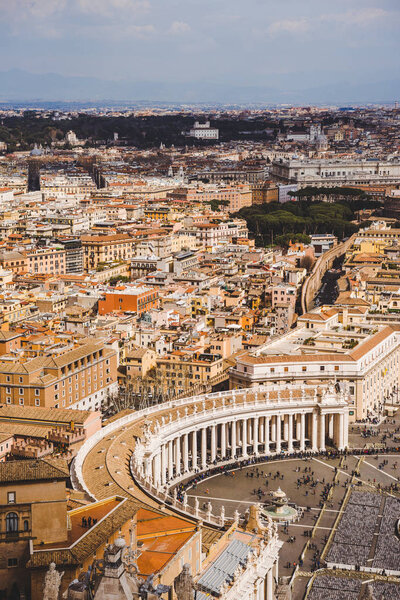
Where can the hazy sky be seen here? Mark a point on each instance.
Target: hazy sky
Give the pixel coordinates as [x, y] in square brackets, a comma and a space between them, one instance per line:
[250, 42]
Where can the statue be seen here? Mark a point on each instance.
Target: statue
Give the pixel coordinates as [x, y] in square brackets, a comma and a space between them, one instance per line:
[184, 585]
[52, 582]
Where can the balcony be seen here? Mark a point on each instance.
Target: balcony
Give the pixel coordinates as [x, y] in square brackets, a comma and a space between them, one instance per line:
[12, 536]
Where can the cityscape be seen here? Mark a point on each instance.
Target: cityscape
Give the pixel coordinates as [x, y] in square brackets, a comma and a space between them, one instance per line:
[199, 301]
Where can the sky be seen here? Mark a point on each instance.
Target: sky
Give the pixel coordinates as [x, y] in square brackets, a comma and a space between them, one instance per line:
[251, 42]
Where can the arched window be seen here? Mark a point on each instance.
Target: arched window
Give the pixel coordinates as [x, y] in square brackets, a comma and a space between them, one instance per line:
[12, 522]
[26, 525]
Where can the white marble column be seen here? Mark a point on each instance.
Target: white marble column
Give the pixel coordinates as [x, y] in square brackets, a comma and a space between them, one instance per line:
[194, 450]
[270, 585]
[261, 430]
[298, 427]
[233, 439]
[157, 469]
[314, 443]
[286, 428]
[178, 455]
[163, 464]
[273, 430]
[345, 430]
[322, 433]
[255, 435]
[213, 442]
[302, 432]
[266, 435]
[223, 440]
[290, 433]
[278, 433]
[330, 426]
[170, 460]
[244, 437]
[204, 448]
[186, 453]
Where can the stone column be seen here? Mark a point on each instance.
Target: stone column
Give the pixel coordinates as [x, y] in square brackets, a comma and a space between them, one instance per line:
[213, 442]
[290, 433]
[261, 430]
[345, 430]
[266, 435]
[273, 430]
[255, 435]
[223, 440]
[170, 460]
[298, 427]
[178, 455]
[302, 432]
[286, 428]
[194, 450]
[278, 433]
[314, 443]
[204, 448]
[330, 427]
[186, 453]
[163, 464]
[322, 433]
[157, 470]
[244, 437]
[233, 439]
[270, 585]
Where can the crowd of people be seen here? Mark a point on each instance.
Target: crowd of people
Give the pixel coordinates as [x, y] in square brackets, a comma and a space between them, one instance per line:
[387, 553]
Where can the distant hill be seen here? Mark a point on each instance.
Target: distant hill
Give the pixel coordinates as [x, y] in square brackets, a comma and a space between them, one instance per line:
[17, 85]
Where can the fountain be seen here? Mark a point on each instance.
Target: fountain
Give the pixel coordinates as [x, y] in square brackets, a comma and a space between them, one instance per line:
[279, 509]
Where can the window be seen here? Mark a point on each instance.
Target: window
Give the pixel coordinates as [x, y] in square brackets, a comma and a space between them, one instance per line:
[11, 497]
[336, 368]
[286, 369]
[304, 369]
[8, 400]
[37, 392]
[26, 525]
[37, 401]
[8, 390]
[21, 379]
[322, 368]
[12, 562]
[12, 522]
[8, 378]
[21, 391]
[21, 401]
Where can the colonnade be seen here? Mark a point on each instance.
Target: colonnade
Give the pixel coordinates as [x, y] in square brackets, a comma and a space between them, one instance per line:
[194, 448]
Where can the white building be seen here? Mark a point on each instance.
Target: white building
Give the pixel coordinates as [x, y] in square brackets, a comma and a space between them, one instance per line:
[204, 131]
[322, 172]
[364, 357]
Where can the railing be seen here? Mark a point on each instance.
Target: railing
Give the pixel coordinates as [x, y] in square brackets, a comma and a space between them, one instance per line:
[262, 398]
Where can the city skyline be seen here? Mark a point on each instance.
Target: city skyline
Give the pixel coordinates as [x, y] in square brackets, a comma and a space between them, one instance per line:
[144, 50]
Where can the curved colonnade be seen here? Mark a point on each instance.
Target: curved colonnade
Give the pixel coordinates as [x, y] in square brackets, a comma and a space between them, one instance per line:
[160, 446]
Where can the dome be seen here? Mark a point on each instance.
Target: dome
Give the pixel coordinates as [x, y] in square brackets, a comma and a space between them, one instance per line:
[36, 151]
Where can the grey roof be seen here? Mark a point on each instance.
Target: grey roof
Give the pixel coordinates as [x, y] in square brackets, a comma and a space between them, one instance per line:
[224, 567]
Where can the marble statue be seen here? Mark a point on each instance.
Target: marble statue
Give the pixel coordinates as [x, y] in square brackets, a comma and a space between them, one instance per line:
[184, 585]
[52, 582]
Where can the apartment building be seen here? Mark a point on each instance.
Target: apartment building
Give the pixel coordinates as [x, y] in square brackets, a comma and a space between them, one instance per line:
[129, 299]
[80, 378]
[181, 370]
[47, 260]
[103, 249]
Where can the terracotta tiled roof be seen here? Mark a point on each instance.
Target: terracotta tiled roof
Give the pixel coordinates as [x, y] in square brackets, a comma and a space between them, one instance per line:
[32, 470]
